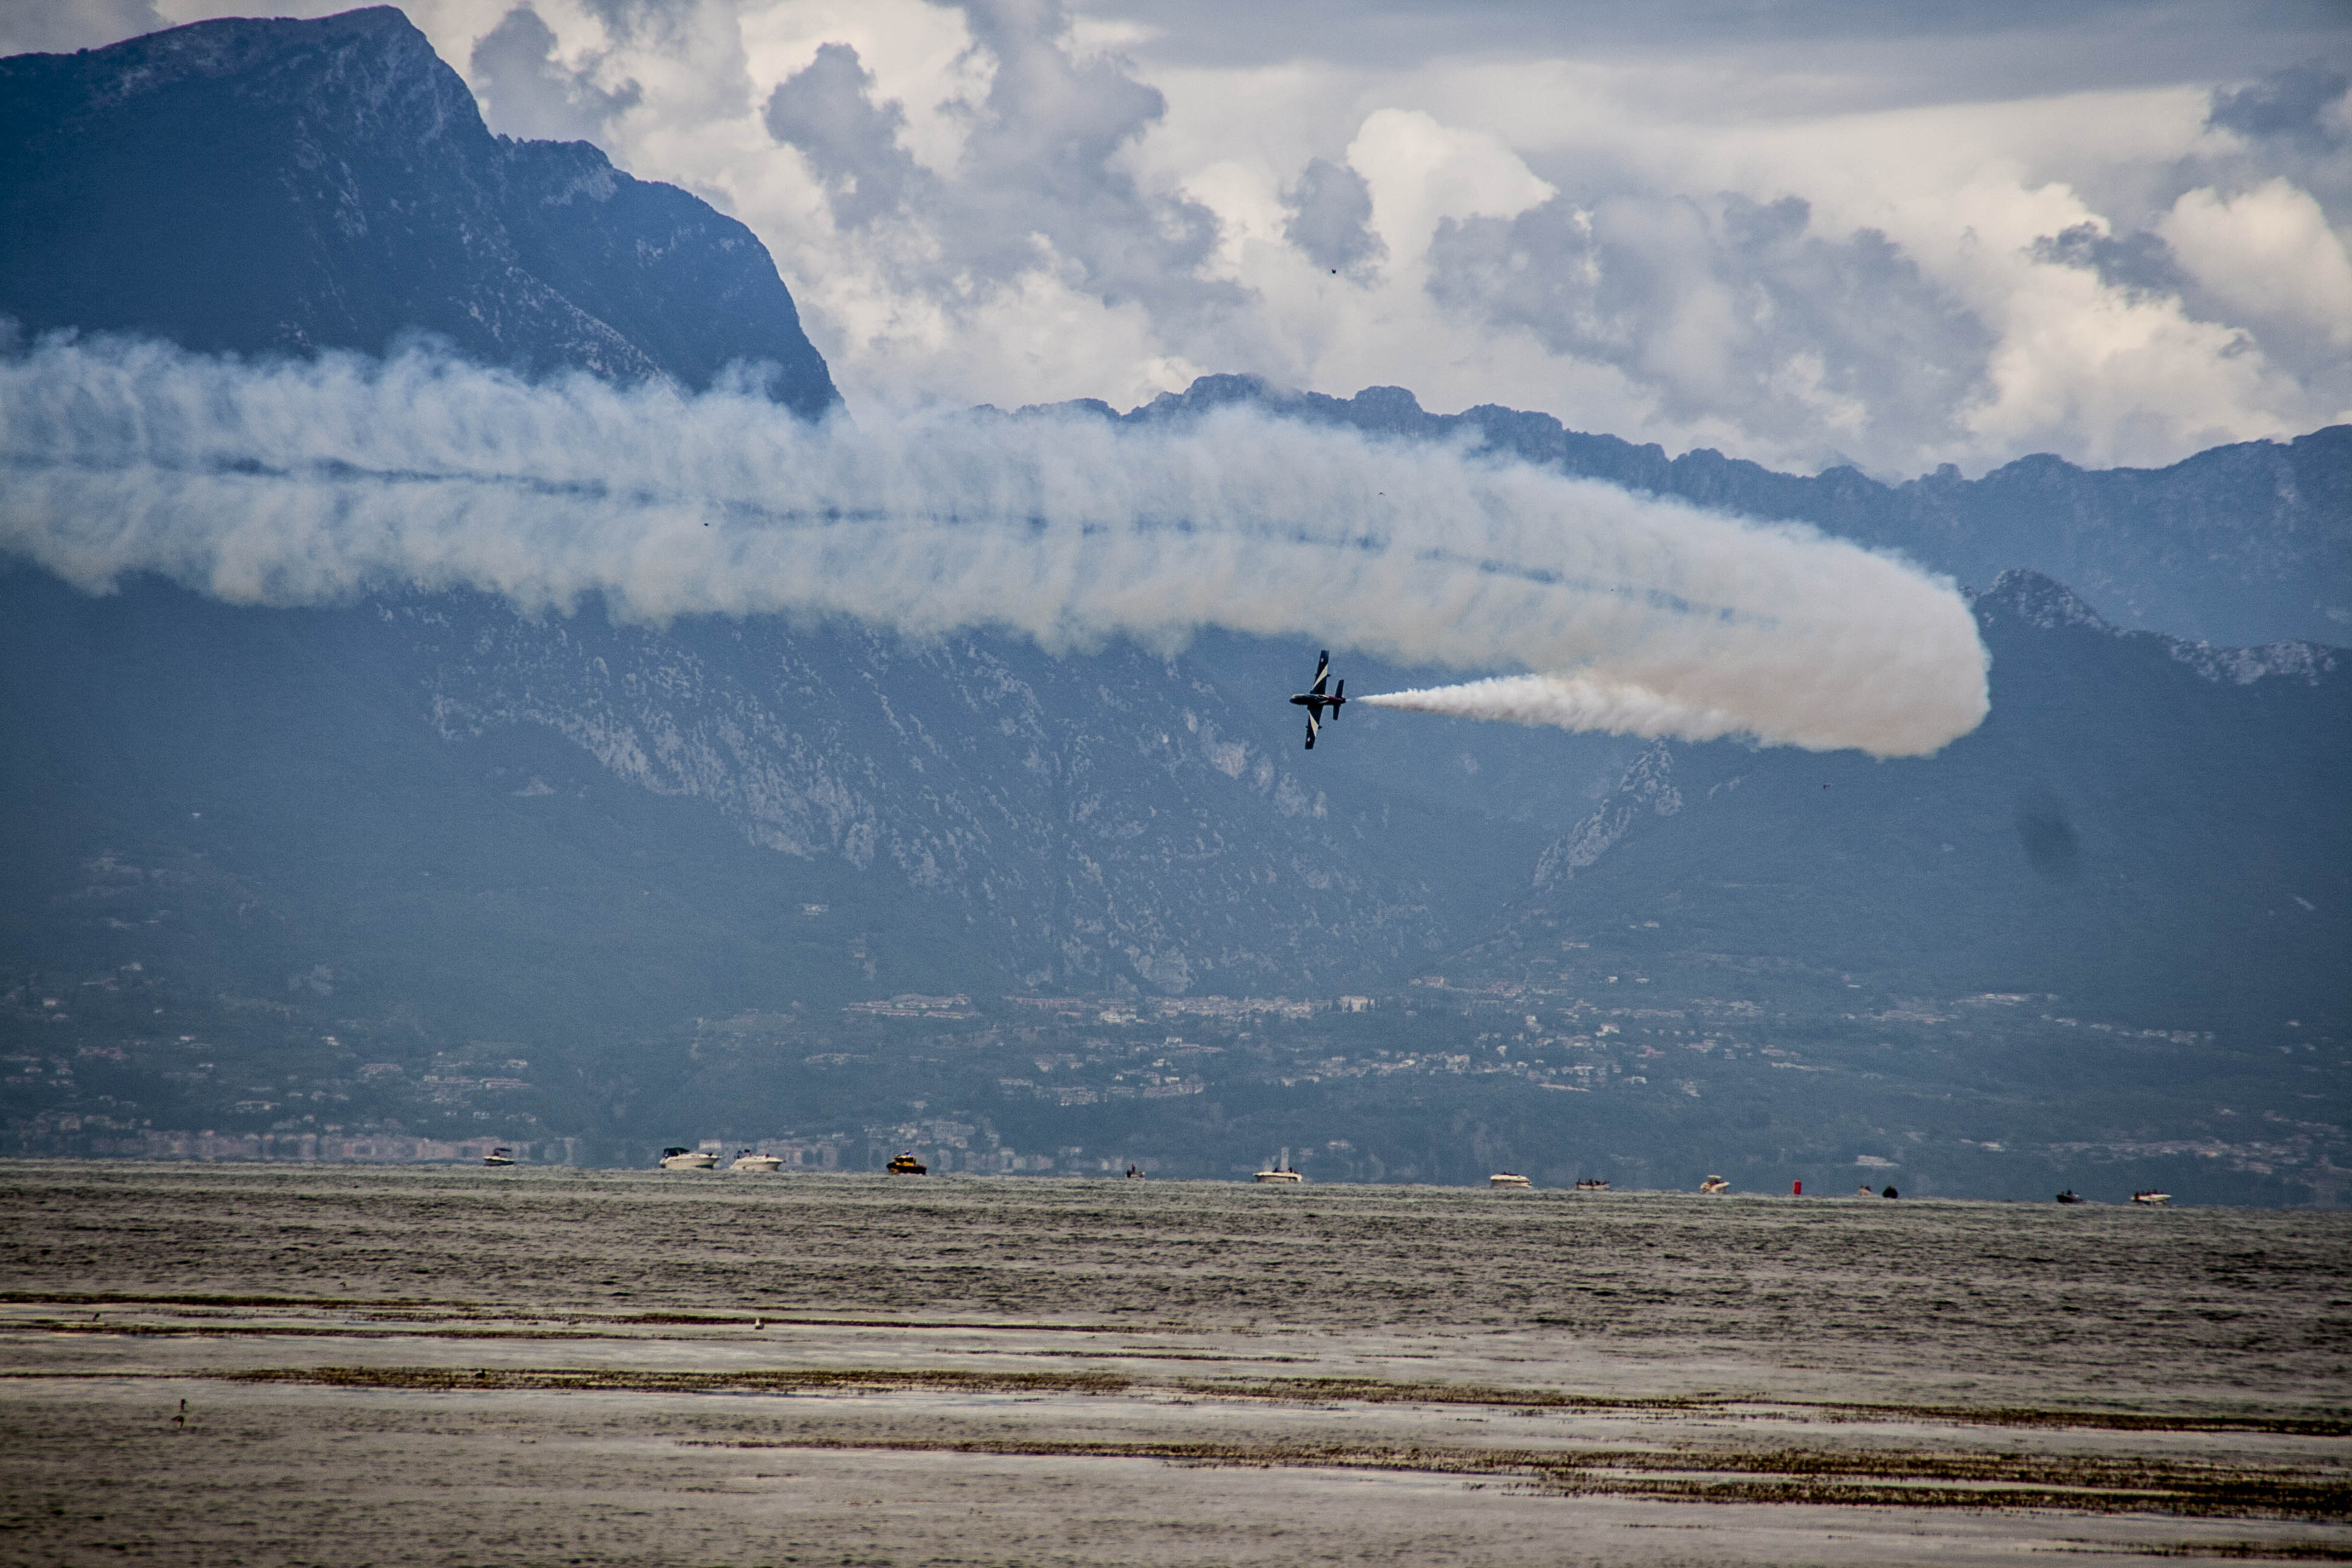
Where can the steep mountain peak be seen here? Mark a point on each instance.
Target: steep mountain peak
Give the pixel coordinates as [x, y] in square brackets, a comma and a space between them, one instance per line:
[280, 186]
[368, 73]
[1209, 391]
[2021, 594]
[231, 45]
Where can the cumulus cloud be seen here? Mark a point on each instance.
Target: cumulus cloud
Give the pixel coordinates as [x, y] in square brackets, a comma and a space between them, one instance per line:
[2236, 242]
[528, 91]
[1330, 212]
[827, 112]
[1039, 187]
[2138, 263]
[2303, 103]
[1728, 307]
[302, 483]
[2269, 255]
[60, 26]
[1426, 173]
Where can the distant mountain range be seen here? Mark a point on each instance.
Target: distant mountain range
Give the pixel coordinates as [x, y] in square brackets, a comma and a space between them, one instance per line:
[322, 842]
[2242, 544]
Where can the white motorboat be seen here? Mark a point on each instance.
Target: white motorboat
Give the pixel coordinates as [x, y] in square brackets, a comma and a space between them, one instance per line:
[688, 1159]
[1502, 1180]
[762, 1164]
[502, 1155]
[2152, 1198]
[1279, 1177]
[1715, 1185]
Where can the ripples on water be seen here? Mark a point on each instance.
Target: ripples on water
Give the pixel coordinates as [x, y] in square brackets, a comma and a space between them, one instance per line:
[1846, 1355]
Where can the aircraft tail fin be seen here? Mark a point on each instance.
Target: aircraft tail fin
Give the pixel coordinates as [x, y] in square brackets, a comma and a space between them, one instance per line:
[1338, 695]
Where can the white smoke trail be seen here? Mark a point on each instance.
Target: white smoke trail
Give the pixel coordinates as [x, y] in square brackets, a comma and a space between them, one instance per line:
[1585, 702]
[311, 482]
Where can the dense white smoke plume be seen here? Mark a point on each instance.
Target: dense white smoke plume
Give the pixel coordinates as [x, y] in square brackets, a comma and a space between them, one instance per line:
[306, 483]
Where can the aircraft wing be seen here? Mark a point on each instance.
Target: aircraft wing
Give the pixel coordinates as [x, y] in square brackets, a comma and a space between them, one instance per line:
[1322, 671]
[1312, 726]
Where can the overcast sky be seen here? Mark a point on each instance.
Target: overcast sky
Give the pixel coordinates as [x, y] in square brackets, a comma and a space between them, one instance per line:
[1894, 234]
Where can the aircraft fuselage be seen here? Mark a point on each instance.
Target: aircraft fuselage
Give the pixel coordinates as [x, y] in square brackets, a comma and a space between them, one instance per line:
[1315, 700]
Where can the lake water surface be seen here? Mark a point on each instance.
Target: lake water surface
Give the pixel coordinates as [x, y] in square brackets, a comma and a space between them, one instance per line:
[410, 1366]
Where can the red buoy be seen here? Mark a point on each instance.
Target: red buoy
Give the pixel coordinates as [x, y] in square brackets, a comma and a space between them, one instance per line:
[1796, 1189]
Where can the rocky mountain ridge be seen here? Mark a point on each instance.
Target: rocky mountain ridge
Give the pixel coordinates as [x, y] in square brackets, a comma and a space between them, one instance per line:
[2237, 545]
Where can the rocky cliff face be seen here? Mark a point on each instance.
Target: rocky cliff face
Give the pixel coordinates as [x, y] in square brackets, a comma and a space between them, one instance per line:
[285, 186]
[1121, 821]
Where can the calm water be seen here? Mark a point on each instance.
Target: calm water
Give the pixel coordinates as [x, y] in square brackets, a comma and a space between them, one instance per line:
[990, 1359]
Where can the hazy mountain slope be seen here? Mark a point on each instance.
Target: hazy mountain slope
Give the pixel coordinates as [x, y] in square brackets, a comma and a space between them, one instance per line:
[285, 186]
[2145, 829]
[2238, 545]
[483, 813]
[492, 821]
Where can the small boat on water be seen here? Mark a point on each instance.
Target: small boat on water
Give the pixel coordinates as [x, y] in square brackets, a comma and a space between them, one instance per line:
[2070, 1196]
[502, 1155]
[1592, 1185]
[906, 1164]
[2152, 1198]
[682, 1159]
[1134, 1173]
[1715, 1185]
[1279, 1172]
[763, 1165]
[1506, 1181]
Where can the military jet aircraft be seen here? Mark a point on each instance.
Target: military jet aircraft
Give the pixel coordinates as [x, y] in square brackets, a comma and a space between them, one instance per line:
[1314, 700]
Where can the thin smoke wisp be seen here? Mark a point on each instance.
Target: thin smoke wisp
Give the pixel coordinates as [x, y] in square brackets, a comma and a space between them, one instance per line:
[317, 481]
